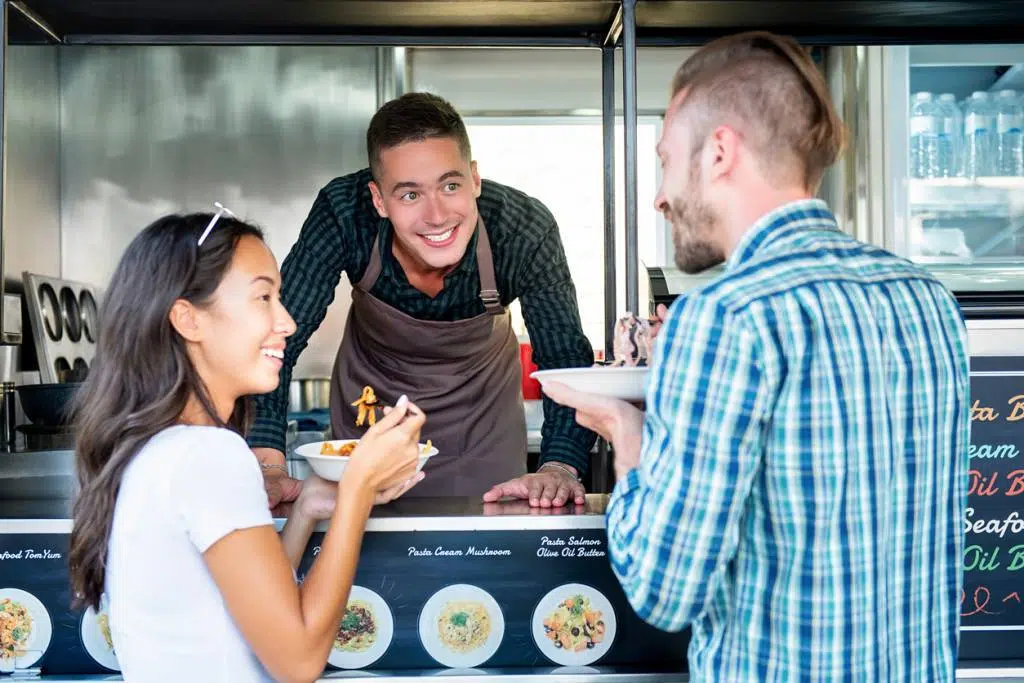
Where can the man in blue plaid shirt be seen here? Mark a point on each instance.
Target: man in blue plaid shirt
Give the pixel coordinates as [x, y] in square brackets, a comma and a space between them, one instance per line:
[795, 490]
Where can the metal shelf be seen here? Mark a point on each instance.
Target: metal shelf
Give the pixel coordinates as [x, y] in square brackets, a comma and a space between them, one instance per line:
[377, 22]
[838, 22]
[993, 182]
[990, 197]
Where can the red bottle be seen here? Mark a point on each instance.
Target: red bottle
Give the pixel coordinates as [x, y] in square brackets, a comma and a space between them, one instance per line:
[531, 387]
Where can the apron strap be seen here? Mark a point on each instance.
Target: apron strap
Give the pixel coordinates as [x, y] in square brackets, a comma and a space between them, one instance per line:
[485, 264]
[373, 268]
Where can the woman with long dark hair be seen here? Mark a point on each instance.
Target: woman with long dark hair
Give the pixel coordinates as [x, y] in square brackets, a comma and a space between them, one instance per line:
[172, 521]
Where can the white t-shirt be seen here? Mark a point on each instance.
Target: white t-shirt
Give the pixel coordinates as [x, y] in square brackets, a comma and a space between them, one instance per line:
[187, 488]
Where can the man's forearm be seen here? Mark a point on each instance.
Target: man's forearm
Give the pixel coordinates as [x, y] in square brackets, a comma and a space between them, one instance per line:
[309, 276]
[272, 461]
[564, 441]
[270, 426]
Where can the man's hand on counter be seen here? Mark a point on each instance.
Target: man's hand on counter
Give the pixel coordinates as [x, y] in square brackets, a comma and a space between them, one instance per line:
[281, 488]
[522, 507]
[548, 487]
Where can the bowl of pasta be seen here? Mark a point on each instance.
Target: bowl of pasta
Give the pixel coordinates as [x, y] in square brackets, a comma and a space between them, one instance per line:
[329, 458]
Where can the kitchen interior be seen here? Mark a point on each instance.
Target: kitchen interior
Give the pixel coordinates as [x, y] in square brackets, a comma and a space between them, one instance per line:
[115, 115]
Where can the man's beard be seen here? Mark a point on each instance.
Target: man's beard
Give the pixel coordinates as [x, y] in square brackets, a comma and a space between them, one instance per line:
[693, 223]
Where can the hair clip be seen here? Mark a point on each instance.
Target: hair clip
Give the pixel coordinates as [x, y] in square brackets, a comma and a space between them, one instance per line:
[221, 210]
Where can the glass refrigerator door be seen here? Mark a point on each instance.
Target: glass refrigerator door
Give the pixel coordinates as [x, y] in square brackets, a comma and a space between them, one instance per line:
[957, 168]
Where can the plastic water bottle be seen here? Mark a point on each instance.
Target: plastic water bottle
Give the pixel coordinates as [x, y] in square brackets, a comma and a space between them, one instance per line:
[1010, 143]
[950, 136]
[979, 136]
[924, 136]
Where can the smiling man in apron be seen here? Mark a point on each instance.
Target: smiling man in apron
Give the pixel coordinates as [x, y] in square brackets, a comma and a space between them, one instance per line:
[435, 256]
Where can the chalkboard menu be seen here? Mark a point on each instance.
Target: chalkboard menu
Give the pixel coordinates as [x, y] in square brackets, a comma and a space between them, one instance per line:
[426, 587]
[992, 600]
[423, 600]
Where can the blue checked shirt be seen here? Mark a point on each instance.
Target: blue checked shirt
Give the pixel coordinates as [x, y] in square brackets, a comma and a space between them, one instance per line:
[803, 474]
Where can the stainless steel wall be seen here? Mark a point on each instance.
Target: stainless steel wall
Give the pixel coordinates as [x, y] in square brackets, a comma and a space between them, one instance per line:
[150, 130]
[487, 80]
[31, 239]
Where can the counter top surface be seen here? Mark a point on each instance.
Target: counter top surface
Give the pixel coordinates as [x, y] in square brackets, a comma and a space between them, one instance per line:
[37, 489]
[408, 514]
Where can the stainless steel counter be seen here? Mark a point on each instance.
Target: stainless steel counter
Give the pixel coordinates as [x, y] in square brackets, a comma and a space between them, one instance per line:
[408, 514]
[37, 475]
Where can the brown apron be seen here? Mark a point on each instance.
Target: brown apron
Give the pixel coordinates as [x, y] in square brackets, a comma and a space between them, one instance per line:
[464, 374]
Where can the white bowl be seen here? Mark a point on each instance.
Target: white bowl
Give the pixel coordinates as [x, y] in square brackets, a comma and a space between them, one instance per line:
[331, 466]
[625, 383]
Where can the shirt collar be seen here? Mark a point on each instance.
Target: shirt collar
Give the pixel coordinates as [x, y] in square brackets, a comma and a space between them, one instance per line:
[802, 214]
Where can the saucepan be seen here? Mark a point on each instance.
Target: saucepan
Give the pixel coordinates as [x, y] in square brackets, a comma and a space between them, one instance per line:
[305, 395]
[47, 404]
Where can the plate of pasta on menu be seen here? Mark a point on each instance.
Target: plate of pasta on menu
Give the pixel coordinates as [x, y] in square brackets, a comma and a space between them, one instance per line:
[25, 629]
[461, 626]
[96, 636]
[574, 625]
[365, 631]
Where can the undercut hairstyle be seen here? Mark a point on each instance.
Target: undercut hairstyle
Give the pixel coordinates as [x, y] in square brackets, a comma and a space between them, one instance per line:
[413, 117]
[767, 87]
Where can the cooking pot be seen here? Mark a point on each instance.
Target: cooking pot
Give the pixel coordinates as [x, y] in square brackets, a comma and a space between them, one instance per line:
[47, 404]
[309, 394]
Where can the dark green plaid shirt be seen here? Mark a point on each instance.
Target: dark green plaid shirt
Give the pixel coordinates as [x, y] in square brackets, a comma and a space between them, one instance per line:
[529, 263]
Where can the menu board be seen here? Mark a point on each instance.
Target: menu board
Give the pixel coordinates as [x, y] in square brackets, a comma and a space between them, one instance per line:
[428, 600]
[992, 599]
[34, 586]
[482, 599]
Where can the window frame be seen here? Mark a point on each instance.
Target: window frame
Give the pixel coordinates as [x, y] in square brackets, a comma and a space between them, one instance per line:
[663, 248]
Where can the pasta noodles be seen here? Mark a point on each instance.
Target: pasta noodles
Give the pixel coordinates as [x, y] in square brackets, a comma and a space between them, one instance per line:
[103, 621]
[358, 629]
[345, 450]
[463, 626]
[15, 628]
[574, 626]
[367, 404]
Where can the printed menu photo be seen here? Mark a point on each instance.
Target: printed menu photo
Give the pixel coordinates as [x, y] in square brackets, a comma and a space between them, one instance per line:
[574, 624]
[461, 626]
[25, 629]
[365, 631]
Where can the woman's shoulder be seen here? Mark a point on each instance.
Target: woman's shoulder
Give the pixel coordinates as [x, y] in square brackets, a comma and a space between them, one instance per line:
[201, 446]
[178, 435]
